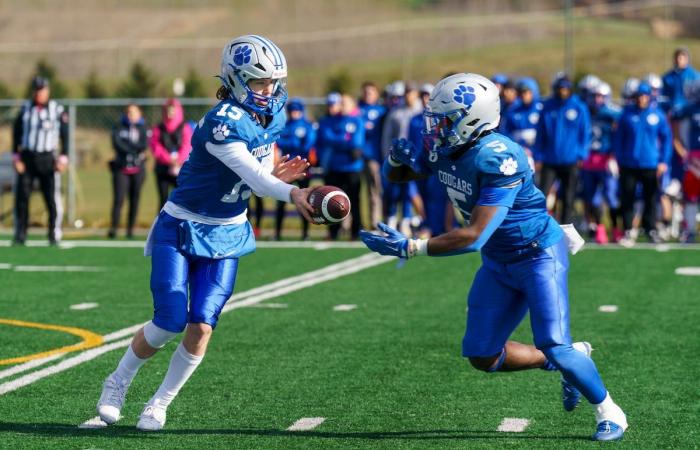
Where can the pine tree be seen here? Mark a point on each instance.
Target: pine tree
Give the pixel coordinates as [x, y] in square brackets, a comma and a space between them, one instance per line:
[140, 84]
[48, 71]
[194, 86]
[93, 86]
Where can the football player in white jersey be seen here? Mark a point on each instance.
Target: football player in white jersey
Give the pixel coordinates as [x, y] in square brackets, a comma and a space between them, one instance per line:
[202, 230]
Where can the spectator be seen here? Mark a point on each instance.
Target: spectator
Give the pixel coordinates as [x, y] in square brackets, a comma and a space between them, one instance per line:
[691, 177]
[432, 194]
[340, 142]
[40, 125]
[373, 114]
[561, 144]
[509, 97]
[599, 172]
[642, 144]
[129, 139]
[396, 126]
[676, 79]
[170, 143]
[520, 122]
[297, 138]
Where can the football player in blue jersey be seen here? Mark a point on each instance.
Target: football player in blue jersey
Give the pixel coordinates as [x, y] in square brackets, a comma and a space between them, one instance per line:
[523, 249]
[202, 230]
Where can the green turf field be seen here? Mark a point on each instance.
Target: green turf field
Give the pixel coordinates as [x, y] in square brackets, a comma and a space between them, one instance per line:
[387, 374]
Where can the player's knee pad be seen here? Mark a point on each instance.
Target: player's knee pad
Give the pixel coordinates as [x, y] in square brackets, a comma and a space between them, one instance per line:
[488, 364]
[155, 336]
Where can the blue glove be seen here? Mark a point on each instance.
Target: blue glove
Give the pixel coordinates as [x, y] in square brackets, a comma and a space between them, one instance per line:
[403, 151]
[393, 244]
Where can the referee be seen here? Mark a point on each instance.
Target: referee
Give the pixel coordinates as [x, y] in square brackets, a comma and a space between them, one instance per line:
[39, 127]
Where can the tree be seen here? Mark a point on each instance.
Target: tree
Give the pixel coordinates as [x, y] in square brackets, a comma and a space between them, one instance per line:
[340, 81]
[194, 86]
[48, 71]
[93, 86]
[5, 91]
[140, 83]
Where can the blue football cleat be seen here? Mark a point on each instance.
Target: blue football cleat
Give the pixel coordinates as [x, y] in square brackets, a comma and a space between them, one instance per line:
[608, 431]
[570, 396]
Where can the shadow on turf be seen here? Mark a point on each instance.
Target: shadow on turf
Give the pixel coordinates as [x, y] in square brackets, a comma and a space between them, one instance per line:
[64, 430]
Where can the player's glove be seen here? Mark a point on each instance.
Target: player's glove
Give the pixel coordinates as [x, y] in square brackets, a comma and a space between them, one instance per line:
[402, 152]
[394, 243]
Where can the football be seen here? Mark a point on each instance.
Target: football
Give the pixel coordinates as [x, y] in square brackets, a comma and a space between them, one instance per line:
[331, 204]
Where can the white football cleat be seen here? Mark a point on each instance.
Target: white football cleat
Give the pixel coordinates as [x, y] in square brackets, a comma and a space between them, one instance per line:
[152, 418]
[112, 399]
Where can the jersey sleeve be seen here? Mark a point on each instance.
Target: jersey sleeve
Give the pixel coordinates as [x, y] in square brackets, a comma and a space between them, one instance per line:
[501, 163]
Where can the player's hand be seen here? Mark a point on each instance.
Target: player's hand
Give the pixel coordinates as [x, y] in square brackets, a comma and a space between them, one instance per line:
[661, 169]
[403, 151]
[289, 170]
[61, 163]
[393, 243]
[19, 166]
[299, 198]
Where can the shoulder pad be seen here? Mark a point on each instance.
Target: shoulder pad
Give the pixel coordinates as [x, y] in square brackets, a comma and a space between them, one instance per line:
[498, 155]
[225, 123]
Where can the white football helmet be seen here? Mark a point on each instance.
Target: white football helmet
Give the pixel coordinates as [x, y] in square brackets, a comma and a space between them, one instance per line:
[460, 109]
[588, 83]
[630, 88]
[603, 89]
[252, 57]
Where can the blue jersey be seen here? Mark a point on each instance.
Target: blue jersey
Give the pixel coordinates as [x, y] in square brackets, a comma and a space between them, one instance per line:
[340, 137]
[496, 161]
[563, 132]
[206, 186]
[643, 138]
[674, 85]
[692, 112]
[520, 123]
[297, 138]
[603, 122]
[373, 116]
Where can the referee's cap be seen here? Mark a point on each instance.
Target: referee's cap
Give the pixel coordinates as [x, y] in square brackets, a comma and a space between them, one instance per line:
[39, 82]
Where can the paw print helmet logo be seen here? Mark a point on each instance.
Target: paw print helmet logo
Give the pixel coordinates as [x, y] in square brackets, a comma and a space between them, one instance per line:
[242, 55]
[252, 57]
[465, 95]
[460, 109]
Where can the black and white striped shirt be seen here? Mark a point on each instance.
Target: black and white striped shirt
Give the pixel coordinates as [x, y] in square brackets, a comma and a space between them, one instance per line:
[39, 128]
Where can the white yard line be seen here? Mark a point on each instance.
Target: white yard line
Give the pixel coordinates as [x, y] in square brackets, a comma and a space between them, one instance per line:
[688, 271]
[93, 423]
[84, 306]
[344, 307]
[607, 308]
[19, 368]
[513, 425]
[306, 423]
[58, 269]
[248, 298]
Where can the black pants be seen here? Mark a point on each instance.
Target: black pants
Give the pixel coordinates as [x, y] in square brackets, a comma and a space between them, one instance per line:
[628, 187]
[279, 217]
[164, 181]
[41, 166]
[567, 176]
[123, 184]
[350, 183]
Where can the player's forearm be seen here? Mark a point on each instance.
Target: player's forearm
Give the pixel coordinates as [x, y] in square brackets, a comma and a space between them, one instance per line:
[457, 239]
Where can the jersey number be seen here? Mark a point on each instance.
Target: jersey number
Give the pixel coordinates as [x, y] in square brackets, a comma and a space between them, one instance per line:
[237, 192]
[455, 197]
[234, 113]
[497, 146]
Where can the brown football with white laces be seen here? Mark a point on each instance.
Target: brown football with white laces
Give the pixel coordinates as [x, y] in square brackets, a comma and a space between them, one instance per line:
[331, 205]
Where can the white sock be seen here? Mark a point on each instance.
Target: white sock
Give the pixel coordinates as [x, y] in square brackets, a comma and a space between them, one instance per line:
[608, 410]
[182, 366]
[691, 212]
[129, 365]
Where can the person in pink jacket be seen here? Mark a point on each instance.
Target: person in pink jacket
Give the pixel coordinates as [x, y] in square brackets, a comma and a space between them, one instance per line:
[170, 143]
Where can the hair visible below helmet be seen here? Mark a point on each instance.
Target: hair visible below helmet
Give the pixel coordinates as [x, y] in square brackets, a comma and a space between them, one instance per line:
[460, 109]
[254, 57]
[630, 88]
[529, 84]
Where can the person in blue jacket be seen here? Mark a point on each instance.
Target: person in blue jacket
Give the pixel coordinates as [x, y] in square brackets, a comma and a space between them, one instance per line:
[520, 122]
[373, 114]
[642, 145]
[340, 140]
[561, 145]
[297, 139]
[676, 79]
